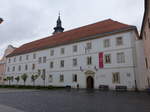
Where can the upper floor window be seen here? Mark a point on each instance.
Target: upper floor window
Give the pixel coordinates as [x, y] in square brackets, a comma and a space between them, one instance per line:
[62, 51]
[19, 68]
[74, 62]
[89, 45]
[20, 58]
[107, 58]
[34, 56]
[14, 59]
[89, 60]
[62, 63]
[145, 35]
[44, 59]
[75, 48]
[119, 41]
[61, 78]
[26, 67]
[74, 78]
[52, 52]
[13, 68]
[148, 22]
[51, 64]
[27, 57]
[116, 77]
[9, 60]
[33, 66]
[121, 57]
[106, 43]
[40, 59]
[146, 63]
[8, 69]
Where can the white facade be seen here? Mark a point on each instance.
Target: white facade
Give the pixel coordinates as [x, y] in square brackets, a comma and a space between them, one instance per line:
[126, 67]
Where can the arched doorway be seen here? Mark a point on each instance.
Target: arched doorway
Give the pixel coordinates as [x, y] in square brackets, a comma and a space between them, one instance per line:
[90, 82]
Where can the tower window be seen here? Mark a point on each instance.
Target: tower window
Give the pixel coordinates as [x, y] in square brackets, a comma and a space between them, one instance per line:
[146, 63]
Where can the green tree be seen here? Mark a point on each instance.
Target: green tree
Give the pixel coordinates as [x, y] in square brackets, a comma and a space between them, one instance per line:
[33, 78]
[9, 79]
[17, 79]
[24, 78]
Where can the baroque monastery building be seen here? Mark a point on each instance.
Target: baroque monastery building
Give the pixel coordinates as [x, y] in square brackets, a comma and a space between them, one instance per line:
[103, 53]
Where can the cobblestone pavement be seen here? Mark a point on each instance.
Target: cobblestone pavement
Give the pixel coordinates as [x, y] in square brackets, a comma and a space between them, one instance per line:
[72, 101]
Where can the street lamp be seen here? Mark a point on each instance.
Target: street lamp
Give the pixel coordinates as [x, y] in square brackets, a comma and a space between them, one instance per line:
[1, 20]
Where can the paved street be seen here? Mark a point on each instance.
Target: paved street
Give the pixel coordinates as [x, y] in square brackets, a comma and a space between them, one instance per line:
[72, 101]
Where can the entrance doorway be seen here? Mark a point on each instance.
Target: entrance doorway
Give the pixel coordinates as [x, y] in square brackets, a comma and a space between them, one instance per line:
[90, 82]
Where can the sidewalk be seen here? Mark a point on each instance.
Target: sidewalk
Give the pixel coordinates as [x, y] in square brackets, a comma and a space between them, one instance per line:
[4, 108]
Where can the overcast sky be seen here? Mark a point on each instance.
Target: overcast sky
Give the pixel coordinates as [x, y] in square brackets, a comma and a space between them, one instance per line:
[28, 20]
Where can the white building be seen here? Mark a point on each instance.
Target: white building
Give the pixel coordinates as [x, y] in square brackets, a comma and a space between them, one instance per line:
[103, 53]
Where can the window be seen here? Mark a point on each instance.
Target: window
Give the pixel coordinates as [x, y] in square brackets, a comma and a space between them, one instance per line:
[89, 60]
[74, 62]
[119, 41]
[39, 72]
[13, 68]
[89, 45]
[61, 78]
[145, 35]
[20, 58]
[51, 64]
[62, 63]
[40, 60]
[19, 68]
[44, 72]
[9, 60]
[50, 78]
[8, 69]
[15, 59]
[146, 63]
[62, 50]
[107, 58]
[33, 66]
[51, 52]
[34, 56]
[116, 77]
[27, 57]
[26, 67]
[148, 81]
[106, 43]
[148, 22]
[128, 75]
[120, 57]
[44, 59]
[75, 48]
[74, 78]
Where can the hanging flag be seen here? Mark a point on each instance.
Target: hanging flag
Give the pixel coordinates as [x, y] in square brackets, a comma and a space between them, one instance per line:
[101, 64]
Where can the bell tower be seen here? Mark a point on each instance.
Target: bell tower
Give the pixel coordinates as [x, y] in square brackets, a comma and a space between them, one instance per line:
[58, 28]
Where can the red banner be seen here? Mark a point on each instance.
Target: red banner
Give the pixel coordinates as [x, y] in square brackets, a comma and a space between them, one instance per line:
[101, 64]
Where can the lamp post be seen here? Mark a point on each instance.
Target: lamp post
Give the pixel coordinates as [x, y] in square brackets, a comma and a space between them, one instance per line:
[1, 20]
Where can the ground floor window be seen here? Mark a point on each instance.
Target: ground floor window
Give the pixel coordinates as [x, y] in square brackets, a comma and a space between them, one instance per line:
[74, 78]
[61, 78]
[116, 77]
[148, 80]
[50, 78]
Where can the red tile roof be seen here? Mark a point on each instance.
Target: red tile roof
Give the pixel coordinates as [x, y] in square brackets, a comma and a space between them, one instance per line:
[78, 34]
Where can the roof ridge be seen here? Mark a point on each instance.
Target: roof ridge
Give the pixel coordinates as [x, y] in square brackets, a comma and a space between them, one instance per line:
[72, 35]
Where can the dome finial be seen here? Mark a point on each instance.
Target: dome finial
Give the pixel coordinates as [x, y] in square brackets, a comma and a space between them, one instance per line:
[58, 28]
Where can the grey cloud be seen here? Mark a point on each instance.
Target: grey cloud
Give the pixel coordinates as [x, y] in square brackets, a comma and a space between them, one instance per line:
[27, 20]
